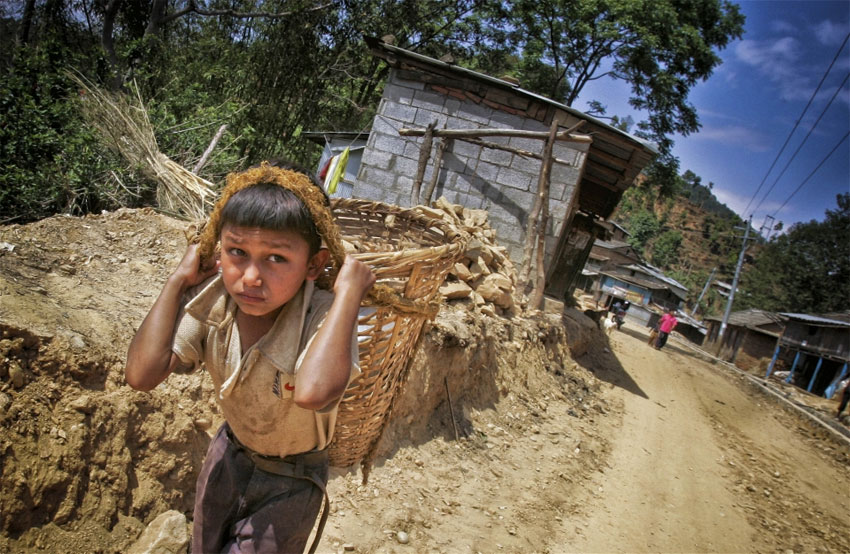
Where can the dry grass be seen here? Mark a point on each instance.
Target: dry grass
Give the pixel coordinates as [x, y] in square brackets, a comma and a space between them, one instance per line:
[125, 128]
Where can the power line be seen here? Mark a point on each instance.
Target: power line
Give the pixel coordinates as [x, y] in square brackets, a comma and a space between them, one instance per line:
[755, 194]
[806, 180]
[797, 151]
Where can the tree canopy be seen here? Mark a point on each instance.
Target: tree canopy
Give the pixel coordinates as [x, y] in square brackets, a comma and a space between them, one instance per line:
[269, 69]
[662, 48]
[805, 270]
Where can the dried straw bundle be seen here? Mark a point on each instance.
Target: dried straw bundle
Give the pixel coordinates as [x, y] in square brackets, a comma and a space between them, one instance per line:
[127, 130]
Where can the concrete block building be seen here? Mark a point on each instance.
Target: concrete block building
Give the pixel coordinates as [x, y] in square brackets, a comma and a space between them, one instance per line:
[586, 181]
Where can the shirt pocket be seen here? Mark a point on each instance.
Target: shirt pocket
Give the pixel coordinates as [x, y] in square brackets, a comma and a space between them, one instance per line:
[284, 385]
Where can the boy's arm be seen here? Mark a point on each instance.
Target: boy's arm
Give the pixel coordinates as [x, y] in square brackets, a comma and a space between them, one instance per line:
[150, 358]
[326, 366]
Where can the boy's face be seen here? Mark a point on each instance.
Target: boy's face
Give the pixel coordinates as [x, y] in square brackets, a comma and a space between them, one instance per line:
[263, 269]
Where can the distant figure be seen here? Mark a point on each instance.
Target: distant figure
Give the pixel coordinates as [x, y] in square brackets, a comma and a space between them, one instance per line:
[845, 398]
[619, 310]
[609, 323]
[665, 327]
[653, 335]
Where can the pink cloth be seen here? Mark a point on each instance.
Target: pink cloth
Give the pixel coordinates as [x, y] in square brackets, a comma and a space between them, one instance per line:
[668, 322]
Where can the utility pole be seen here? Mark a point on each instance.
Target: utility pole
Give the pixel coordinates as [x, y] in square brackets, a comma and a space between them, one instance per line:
[704, 290]
[735, 282]
[768, 226]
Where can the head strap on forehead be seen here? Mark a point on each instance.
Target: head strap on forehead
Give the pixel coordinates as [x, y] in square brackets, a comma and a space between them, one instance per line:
[298, 183]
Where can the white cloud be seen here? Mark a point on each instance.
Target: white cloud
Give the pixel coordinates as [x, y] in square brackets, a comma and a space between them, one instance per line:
[778, 61]
[830, 33]
[782, 26]
[752, 140]
[768, 55]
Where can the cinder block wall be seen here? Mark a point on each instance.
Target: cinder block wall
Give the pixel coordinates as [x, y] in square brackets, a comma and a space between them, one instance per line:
[503, 183]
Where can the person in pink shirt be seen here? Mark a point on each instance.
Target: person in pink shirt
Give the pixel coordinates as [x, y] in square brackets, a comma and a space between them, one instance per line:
[665, 327]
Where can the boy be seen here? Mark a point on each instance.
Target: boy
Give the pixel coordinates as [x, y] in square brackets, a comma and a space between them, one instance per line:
[279, 351]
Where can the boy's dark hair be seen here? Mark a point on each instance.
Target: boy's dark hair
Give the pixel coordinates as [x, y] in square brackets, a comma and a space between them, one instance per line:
[269, 206]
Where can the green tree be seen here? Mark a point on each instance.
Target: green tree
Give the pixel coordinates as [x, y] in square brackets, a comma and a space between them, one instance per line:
[665, 249]
[643, 226]
[662, 48]
[805, 270]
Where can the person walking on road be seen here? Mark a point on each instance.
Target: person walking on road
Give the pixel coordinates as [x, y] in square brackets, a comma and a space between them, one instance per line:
[665, 327]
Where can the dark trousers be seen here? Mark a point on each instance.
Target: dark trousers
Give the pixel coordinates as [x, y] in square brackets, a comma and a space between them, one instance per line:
[661, 340]
[241, 508]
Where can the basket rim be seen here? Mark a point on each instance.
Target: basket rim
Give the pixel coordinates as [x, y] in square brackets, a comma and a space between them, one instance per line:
[452, 233]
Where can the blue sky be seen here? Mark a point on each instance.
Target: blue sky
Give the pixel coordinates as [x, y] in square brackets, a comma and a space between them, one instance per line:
[750, 104]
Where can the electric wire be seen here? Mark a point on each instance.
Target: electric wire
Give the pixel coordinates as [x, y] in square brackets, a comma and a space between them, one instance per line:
[823, 161]
[828, 69]
[797, 151]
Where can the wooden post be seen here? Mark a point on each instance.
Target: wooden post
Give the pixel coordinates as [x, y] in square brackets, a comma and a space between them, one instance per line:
[424, 154]
[536, 301]
[534, 215]
[438, 159]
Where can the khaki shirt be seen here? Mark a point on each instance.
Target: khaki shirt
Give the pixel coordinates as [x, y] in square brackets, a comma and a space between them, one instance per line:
[255, 390]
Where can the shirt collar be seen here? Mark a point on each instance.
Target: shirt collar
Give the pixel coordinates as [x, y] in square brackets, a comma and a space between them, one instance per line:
[281, 345]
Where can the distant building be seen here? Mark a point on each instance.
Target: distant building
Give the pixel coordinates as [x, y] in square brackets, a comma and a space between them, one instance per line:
[811, 351]
[749, 340]
[819, 348]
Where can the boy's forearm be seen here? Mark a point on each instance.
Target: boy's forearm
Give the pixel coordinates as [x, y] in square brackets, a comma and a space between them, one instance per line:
[325, 369]
[149, 355]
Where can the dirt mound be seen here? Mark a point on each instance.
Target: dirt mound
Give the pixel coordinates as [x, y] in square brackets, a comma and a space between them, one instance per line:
[87, 462]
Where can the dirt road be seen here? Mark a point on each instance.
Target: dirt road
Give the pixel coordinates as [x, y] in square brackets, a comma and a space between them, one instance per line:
[675, 455]
[703, 463]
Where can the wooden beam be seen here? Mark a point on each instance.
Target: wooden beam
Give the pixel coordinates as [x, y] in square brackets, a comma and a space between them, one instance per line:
[565, 136]
[519, 151]
[607, 158]
[595, 181]
[604, 171]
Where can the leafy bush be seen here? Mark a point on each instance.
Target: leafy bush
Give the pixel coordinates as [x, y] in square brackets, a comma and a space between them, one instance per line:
[665, 250]
[50, 162]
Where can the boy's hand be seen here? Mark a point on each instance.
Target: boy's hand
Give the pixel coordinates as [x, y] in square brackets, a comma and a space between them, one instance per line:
[189, 272]
[354, 277]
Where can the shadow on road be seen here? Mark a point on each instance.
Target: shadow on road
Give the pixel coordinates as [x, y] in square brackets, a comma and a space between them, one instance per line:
[603, 363]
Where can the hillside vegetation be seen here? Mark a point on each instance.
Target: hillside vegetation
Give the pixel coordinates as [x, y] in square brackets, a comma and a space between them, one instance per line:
[687, 233]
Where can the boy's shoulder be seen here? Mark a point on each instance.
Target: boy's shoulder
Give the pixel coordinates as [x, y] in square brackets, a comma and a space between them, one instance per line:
[207, 300]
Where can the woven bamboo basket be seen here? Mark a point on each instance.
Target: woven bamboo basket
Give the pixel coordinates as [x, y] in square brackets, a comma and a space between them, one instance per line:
[412, 254]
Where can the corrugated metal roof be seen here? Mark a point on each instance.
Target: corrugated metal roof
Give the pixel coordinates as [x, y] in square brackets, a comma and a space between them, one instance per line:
[817, 320]
[655, 272]
[751, 318]
[610, 244]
